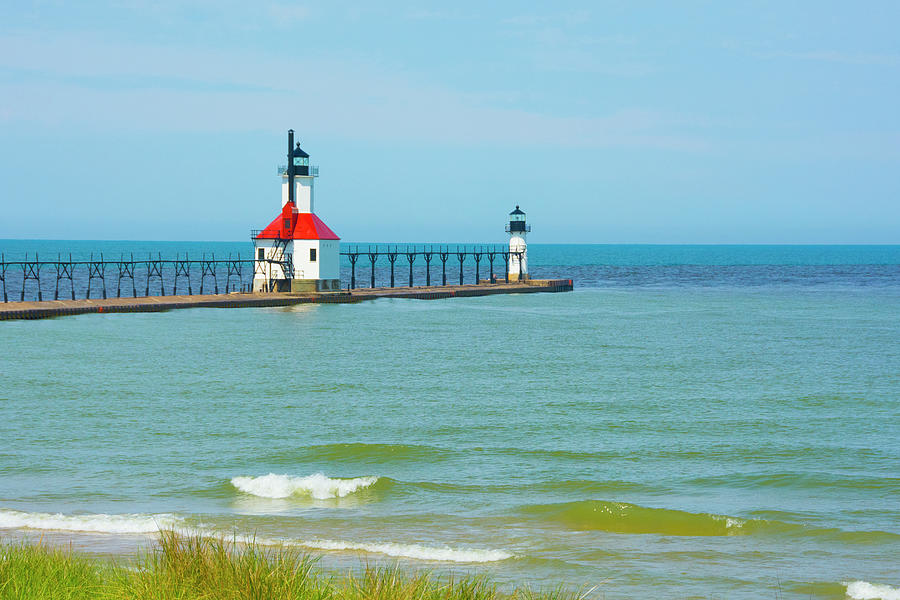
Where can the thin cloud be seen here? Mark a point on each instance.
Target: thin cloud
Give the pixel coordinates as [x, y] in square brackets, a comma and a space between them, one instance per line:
[555, 43]
[288, 14]
[834, 56]
[566, 18]
[195, 89]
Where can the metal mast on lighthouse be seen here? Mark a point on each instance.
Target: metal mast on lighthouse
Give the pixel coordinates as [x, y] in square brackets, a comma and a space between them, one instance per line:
[290, 168]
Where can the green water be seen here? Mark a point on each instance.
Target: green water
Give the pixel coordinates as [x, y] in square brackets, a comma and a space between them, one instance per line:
[684, 441]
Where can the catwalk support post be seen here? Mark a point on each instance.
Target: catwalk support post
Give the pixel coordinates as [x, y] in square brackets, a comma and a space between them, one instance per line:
[411, 257]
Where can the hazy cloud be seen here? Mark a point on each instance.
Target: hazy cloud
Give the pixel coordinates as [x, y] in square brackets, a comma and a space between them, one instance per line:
[848, 58]
[95, 83]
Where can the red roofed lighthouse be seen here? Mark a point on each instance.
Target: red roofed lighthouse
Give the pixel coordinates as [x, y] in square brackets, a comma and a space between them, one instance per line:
[297, 252]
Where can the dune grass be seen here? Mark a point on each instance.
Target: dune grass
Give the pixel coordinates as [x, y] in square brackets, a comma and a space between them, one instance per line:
[39, 571]
[194, 568]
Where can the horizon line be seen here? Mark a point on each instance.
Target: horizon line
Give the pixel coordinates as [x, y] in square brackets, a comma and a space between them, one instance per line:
[420, 243]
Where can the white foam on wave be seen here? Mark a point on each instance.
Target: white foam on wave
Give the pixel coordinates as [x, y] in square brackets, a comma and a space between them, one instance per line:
[444, 554]
[317, 486]
[151, 524]
[414, 551]
[732, 523]
[95, 523]
[863, 590]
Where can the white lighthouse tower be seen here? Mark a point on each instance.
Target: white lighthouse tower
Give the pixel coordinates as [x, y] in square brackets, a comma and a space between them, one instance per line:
[518, 247]
[297, 252]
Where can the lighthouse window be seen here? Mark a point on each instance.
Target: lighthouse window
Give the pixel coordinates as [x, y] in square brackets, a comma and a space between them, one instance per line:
[312, 255]
[260, 254]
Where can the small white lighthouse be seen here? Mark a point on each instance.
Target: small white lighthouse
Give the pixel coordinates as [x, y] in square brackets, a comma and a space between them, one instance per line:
[297, 252]
[518, 247]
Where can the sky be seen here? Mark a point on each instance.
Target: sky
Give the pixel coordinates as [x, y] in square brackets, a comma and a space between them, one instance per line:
[608, 122]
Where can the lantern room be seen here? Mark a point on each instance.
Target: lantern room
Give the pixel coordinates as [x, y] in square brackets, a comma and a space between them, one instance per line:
[517, 222]
[300, 161]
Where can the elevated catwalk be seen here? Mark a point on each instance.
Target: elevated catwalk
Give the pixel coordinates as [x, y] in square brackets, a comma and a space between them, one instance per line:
[58, 308]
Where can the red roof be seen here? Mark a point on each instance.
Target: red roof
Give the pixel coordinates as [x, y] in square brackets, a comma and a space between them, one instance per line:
[291, 225]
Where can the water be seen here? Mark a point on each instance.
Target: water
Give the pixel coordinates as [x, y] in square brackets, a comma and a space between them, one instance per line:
[691, 422]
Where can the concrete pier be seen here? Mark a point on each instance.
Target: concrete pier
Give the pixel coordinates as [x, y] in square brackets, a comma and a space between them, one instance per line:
[58, 308]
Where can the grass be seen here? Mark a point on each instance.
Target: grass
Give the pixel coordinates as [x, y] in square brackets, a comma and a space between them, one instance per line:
[207, 568]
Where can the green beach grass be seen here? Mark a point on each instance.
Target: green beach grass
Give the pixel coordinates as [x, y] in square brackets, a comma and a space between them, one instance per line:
[192, 567]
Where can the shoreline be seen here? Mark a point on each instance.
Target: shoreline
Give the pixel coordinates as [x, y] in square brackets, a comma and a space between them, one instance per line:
[196, 566]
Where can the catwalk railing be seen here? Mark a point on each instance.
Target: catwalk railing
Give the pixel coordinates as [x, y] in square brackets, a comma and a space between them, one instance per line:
[420, 259]
[36, 279]
[126, 277]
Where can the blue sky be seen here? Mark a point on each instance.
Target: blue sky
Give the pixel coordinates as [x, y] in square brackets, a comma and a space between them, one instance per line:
[653, 122]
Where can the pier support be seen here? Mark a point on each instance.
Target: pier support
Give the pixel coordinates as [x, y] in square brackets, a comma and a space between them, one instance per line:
[96, 270]
[353, 256]
[427, 254]
[31, 270]
[461, 256]
[392, 258]
[126, 271]
[182, 269]
[63, 271]
[3, 267]
[411, 257]
[260, 267]
[234, 270]
[373, 256]
[476, 254]
[208, 269]
[444, 254]
[154, 269]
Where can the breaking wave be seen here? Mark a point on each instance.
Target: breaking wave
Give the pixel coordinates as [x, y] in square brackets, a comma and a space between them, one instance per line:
[317, 486]
[96, 523]
[415, 551]
[863, 590]
[622, 517]
[151, 524]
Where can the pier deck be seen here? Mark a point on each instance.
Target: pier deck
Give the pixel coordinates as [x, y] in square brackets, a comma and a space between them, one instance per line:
[58, 308]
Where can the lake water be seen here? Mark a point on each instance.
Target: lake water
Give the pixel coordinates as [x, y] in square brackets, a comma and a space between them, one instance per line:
[690, 422]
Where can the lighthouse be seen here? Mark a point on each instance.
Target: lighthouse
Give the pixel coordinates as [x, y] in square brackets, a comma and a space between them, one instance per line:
[296, 252]
[518, 247]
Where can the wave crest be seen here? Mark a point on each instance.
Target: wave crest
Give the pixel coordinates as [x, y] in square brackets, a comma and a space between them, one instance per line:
[317, 486]
[153, 523]
[415, 551]
[863, 590]
[96, 523]
[622, 517]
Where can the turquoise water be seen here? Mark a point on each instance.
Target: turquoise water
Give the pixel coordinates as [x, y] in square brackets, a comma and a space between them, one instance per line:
[691, 422]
